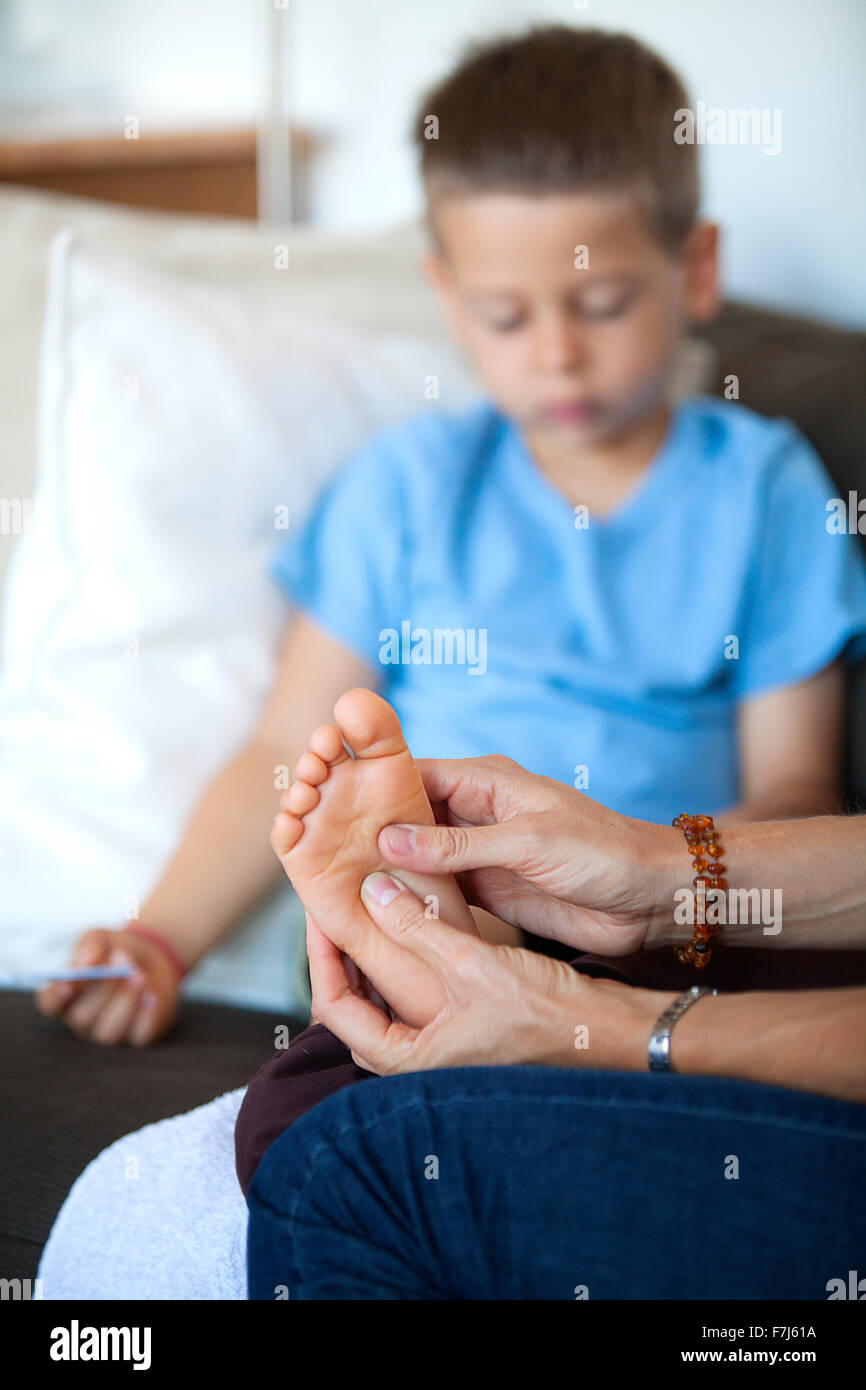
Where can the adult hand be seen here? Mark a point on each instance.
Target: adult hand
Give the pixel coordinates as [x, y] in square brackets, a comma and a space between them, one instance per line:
[503, 1006]
[136, 1010]
[321, 948]
[541, 855]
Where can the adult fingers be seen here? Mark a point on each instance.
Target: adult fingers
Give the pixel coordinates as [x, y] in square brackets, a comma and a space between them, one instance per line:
[452, 849]
[329, 978]
[319, 945]
[402, 916]
[379, 1045]
[332, 971]
[377, 1042]
[471, 786]
[354, 1018]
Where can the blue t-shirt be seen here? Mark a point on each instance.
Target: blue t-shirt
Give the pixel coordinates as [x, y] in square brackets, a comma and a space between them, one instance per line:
[609, 655]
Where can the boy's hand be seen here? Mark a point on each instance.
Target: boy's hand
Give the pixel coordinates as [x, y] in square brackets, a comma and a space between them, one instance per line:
[137, 1010]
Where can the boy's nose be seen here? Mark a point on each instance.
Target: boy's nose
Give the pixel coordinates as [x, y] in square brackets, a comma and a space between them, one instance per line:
[557, 346]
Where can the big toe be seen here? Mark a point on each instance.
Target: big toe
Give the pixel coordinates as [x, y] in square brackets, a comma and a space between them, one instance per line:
[369, 725]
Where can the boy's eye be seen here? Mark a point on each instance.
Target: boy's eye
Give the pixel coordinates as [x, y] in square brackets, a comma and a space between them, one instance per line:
[509, 325]
[604, 306]
[608, 311]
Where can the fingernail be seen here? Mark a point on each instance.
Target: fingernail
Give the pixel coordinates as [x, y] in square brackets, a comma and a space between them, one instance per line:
[400, 839]
[382, 888]
[149, 1000]
[119, 958]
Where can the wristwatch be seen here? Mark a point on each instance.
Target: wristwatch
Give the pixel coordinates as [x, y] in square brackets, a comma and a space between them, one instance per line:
[660, 1042]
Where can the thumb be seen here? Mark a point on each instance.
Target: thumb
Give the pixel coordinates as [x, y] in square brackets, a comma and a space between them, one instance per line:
[448, 849]
[403, 917]
[93, 947]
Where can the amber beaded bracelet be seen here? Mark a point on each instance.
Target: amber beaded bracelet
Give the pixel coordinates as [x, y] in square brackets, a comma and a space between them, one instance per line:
[702, 841]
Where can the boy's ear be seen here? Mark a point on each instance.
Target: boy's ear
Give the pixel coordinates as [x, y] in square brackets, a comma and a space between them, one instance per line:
[701, 262]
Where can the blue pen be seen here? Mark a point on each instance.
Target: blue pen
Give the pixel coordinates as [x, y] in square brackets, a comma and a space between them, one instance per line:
[35, 979]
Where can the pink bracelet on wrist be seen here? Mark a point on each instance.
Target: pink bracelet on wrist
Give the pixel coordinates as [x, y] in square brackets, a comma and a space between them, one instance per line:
[156, 938]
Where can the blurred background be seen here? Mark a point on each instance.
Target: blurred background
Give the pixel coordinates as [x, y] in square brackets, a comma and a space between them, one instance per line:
[209, 299]
[192, 105]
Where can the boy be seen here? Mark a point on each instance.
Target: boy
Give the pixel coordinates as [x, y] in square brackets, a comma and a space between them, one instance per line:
[663, 610]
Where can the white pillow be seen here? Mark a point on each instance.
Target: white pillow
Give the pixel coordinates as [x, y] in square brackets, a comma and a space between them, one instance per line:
[176, 417]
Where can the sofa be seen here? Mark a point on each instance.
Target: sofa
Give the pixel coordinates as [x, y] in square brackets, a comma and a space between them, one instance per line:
[74, 277]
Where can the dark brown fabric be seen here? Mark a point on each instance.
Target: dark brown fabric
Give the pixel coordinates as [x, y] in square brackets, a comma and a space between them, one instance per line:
[812, 374]
[733, 969]
[314, 1066]
[809, 372]
[63, 1100]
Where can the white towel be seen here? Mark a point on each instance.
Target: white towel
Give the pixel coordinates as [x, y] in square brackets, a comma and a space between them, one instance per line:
[157, 1215]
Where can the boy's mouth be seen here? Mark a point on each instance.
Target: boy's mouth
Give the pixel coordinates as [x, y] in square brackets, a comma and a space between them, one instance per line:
[571, 412]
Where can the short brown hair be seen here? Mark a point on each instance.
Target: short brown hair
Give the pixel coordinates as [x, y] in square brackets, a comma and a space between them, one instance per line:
[557, 110]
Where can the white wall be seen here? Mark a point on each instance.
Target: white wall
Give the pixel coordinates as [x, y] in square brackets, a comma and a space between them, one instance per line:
[794, 223]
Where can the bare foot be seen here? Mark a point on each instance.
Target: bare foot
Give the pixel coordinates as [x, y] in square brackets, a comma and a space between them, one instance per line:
[325, 837]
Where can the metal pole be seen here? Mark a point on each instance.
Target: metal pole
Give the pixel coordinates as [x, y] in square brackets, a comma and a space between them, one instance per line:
[274, 155]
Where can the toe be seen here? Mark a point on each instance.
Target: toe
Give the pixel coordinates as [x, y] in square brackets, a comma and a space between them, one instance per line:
[369, 725]
[285, 832]
[311, 768]
[301, 799]
[327, 744]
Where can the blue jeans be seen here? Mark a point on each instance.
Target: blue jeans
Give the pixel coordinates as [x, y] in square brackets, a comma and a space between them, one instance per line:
[547, 1183]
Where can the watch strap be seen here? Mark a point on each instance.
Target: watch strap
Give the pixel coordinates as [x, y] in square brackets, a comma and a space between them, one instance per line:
[659, 1051]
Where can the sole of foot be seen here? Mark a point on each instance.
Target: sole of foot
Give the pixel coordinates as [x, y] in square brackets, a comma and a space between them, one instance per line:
[325, 837]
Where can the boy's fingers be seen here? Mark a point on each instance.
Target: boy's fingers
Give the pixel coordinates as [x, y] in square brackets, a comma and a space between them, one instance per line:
[93, 947]
[152, 1019]
[51, 1000]
[90, 949]
[112, 1024]
[96, 1011]
[83, 1011]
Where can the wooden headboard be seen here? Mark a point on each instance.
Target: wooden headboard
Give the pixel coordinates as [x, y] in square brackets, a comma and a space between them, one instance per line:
[199, 171]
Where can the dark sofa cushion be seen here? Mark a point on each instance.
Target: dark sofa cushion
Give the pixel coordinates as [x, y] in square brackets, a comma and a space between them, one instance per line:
[813, 374]
[809, 372]
[64, 1100]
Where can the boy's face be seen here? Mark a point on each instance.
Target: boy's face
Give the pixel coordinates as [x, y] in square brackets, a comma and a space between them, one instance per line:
[576, 344]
